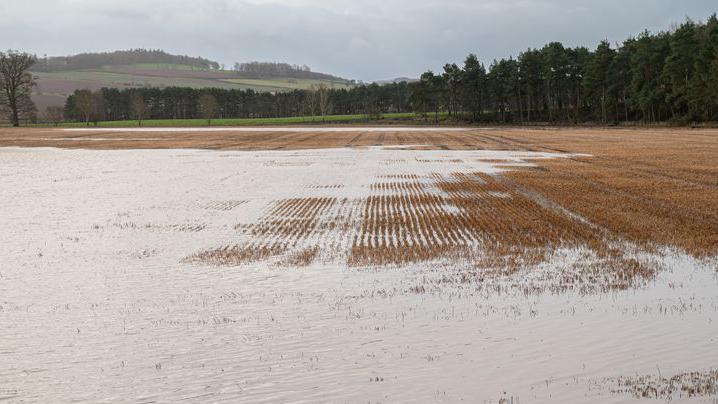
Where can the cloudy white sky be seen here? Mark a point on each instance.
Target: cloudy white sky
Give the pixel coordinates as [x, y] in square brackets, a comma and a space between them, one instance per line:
[361, 39]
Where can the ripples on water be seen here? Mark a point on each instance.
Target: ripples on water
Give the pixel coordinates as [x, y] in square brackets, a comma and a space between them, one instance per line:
[96, 303]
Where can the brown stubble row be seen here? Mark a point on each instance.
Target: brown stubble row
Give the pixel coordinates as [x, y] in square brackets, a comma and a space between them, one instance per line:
[293, 220]
[651, 188]
[397, 186]
[654, 186]
[648, 186]
[223, 205]
[326, 226]
[642, 188]
[291, 231]
[237, 254]
[652, 386]
[466, 221]
[651, 143]
[684, 215]
[233, 140]
[301, 257]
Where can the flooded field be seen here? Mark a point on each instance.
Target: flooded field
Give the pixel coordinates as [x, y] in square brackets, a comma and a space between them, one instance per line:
[394, 270]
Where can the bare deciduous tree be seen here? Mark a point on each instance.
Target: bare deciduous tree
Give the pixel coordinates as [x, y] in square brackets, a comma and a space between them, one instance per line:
[16, 84]
[323, 100]
[99, 104]
[85, 104]
[311, 99]
[54, 115]
[208, 107]
[92, 106]
[138, 108]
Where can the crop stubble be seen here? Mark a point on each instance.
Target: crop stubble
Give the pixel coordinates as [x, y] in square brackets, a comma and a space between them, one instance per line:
[638, 189]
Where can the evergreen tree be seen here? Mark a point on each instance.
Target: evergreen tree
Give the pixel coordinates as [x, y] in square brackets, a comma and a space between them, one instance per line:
[598, 77]
[473, 86]
[679, 69]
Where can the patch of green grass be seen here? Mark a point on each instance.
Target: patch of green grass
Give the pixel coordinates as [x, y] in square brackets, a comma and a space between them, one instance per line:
[243, 121]
[290, 83]
[154, 66]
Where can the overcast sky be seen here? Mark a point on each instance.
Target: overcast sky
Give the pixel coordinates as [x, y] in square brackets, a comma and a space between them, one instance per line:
[360, 39]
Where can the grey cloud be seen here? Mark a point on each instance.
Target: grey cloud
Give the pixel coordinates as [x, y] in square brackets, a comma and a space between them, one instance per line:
[364, 39]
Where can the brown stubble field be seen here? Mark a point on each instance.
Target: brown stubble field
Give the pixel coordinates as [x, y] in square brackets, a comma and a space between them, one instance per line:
[650, 188]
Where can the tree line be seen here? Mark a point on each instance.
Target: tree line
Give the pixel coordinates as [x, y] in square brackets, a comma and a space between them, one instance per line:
[190, 103]
[669, 76]
[271, 68]
[666, 76]
[277, 69]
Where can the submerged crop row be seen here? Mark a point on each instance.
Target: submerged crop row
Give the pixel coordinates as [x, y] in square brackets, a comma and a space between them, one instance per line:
[480, 221]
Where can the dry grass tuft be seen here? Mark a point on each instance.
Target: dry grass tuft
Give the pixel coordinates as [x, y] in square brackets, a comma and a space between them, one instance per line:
[683, 385]
[223, 205]
[302, 258]
[236, 255]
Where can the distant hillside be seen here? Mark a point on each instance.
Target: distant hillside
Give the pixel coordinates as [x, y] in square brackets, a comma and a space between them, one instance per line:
[119, 58]
[58, 77]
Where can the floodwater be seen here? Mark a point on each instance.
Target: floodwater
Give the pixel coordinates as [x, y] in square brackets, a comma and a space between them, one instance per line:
[99, 304]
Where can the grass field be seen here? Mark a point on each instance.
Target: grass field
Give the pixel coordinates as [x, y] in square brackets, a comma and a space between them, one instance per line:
[239, 121]
[113, 78]
[48, 82]
[289, 83]
[157, 66]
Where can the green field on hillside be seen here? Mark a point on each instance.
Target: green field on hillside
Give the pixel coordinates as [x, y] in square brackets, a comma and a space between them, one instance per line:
[156, 66]
[114, 79]
[288, 83]
[53, 86]
[117, 77]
